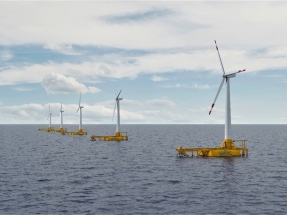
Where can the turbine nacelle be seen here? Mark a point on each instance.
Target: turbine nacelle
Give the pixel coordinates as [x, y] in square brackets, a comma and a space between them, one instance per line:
[232, 75]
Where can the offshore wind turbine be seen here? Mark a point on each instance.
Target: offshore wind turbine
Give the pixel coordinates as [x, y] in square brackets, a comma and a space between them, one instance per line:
[80, 108]
[117, 103]
[225, 78]
[49, 117]
[61, 116]
[62, 130]
[227, 148]
[119, 135]
[80, 132]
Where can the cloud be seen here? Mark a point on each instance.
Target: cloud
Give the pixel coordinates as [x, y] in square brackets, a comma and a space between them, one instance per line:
[23, 111]
[177, 85]
[159, 62]
[155, 25]
[22, 89]
[195, 86]
[272, 76]
[201, 86]
[5, 55]
[58, 83]
[157, 78]
[36, 113]
[160, 103]
[200, 110]
[165, 116]
[63, 49]
[150, 15]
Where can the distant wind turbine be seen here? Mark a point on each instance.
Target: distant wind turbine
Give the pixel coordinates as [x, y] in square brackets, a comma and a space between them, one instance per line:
[61, 115]
[117, 104]
[226, 78]
[80, 108]
[49, 117]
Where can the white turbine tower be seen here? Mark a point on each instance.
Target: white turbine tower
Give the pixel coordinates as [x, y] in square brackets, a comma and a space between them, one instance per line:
[49, 117]
[117, 103]
[61, 116]
[225, 77]
[80, 108]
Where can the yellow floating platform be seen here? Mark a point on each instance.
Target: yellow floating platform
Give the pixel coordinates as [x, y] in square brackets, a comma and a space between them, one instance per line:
[226, 149]
[46, 129]
[61, 130]
[80, 132]
[118, 137]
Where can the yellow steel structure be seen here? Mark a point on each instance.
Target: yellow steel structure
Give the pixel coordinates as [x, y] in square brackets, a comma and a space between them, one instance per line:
[226, 149]
[80, 132]
[118, 137]
[61, 130]
[46, 129]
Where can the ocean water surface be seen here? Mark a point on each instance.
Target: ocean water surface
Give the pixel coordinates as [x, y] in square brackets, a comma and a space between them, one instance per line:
[49, 173]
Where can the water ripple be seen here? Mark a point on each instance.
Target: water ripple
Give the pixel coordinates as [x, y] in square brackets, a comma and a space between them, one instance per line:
[47, 173]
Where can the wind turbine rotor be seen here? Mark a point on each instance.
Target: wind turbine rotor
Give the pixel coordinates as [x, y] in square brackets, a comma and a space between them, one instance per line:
[219, 89]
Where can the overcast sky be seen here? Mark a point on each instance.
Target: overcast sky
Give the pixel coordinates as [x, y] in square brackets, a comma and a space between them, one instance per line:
[160, 54]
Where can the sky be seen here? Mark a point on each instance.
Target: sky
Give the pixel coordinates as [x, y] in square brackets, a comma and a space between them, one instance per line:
[160, 54]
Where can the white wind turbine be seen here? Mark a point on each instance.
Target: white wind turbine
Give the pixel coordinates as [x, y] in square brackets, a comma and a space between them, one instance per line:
[117, 103]
[80, 108]
[225, 77]
[49, 117]
[61, 116]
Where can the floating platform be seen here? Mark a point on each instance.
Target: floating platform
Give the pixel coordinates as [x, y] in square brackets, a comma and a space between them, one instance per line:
[226, 149]
[46, 129]
[80, 132]
[118, 137]
[61, 130]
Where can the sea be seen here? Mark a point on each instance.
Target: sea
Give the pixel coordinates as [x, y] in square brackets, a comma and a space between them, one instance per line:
[49, 173]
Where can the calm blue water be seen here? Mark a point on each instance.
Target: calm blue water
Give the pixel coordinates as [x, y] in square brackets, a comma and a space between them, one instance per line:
[49, 173]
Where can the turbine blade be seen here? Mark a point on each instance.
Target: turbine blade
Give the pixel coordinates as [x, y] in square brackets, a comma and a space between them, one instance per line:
[219, 58]
[243, 70]
[80, 100]
[220, 86]
[78, 109]
[61, 107]
[114, 111]
[235, 72]
[119, 94]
